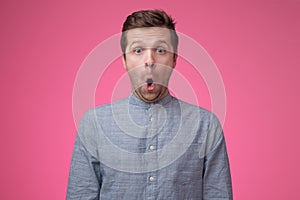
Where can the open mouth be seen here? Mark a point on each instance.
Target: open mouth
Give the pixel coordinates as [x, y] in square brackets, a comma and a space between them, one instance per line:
[149, 81]
[150, 84]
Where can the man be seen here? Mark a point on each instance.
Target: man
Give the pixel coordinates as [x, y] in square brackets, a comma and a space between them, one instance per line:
[149, 145]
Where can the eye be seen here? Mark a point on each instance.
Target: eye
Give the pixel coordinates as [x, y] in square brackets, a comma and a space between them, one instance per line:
[138, 50]
[160, 50]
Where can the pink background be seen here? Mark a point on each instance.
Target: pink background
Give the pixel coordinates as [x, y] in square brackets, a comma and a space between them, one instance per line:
[255, 45]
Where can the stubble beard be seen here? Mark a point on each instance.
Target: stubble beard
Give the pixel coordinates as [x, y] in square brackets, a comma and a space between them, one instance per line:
[151, 96]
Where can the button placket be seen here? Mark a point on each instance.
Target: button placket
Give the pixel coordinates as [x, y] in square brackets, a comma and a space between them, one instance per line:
[151, 178]
[151, 119]
[152, 147]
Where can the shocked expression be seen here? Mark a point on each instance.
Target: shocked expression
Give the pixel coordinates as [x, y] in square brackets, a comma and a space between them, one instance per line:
[149, 60]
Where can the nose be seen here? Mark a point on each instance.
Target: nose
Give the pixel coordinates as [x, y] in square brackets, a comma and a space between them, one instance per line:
[150, 58]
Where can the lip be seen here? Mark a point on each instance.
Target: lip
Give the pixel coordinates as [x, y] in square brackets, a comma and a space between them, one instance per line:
[148, 77]
[149, 81]
[150, 87]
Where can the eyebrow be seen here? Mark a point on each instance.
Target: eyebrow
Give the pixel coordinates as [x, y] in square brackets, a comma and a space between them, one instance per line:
[135, 42]
[162, 41]
[141, 42]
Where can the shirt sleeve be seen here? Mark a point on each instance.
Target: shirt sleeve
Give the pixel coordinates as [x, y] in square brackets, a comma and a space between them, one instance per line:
[84, 178]
[216, 175]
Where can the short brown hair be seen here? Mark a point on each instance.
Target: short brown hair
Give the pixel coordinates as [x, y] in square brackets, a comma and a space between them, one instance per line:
[149, 18]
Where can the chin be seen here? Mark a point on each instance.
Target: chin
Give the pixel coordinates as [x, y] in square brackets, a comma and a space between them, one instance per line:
[150, 96]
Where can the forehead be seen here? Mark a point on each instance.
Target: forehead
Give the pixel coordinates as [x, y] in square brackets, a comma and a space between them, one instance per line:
[148, 35]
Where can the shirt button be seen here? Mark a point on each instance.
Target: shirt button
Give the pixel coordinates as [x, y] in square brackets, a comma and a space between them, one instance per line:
[151, 178]
[152, 147]
[151, 119]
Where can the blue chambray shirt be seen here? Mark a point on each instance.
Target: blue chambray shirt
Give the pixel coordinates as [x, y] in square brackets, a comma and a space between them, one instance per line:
[134, 150]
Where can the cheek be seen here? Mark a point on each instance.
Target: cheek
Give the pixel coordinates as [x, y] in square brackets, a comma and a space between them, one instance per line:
[133, 62]
[163, 73]
[136, 73]
[166, 60]
[129, 65]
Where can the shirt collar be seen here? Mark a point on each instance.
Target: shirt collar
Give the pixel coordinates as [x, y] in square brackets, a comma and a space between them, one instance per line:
[136, 101]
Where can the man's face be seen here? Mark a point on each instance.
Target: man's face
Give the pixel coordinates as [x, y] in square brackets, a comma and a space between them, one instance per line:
[149, 62]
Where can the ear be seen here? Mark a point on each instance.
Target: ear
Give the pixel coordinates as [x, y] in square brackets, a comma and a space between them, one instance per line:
[174, 59]
[124, 62]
